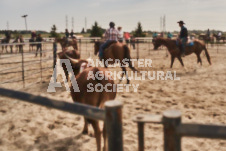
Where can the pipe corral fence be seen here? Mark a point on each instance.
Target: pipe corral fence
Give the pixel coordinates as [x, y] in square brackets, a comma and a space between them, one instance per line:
[174, 130]
[21, 65]
[112, 115]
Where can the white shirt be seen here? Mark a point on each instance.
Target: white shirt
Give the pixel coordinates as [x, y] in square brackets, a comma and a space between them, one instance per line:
[120, 36]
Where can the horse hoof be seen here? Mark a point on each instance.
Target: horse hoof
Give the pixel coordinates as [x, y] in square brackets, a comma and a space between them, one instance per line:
[85, 132]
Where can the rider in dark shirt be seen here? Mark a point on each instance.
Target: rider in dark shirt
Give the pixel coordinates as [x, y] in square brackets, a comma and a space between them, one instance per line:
[66, 33]
[72, 34]
[183, 36]
[7, 35]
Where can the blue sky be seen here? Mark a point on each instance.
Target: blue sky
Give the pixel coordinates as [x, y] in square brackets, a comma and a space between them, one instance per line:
[42, 14]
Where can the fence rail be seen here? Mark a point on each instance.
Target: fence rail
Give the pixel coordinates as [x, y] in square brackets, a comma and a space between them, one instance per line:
[112, 114]
[174, 130]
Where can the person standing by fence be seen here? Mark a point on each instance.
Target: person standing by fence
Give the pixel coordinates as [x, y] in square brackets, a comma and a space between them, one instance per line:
[39, 45]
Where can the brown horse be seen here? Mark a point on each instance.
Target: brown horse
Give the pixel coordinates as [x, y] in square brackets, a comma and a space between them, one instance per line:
[219, 38]
[31, 45]
[206, 38]
[93, 98]
[5, 41]
[175, 52]
[116, 51]
[66, 43]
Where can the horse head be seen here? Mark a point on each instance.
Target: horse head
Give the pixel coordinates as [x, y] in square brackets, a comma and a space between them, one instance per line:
[157, 43]
[97, 47]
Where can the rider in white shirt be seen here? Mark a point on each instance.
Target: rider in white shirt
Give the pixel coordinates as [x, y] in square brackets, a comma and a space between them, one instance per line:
[120, 36]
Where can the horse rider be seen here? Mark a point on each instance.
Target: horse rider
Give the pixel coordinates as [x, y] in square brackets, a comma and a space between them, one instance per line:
[72, 34]
[39, 45]
[183, 37]
[169, 35]
[154, 36]
[208, 33]
[33, 35]
[120, 34]
[7, 35]
[67, 34]
[219, 35]
[110, 35]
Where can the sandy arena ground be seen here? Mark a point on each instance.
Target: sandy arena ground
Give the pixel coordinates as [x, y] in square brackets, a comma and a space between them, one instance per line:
[199, 95]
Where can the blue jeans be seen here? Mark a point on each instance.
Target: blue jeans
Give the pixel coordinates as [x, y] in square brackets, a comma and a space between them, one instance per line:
[184, 42]
[102, 47]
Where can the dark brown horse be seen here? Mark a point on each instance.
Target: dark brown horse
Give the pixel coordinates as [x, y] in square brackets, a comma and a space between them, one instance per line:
[67, 43]
[4, 47]
[206, 38]
[116, 51]
[175, 52]
[219, 38]
[31, 45]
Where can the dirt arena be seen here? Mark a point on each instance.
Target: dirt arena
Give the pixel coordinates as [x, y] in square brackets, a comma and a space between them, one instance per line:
[199, 95]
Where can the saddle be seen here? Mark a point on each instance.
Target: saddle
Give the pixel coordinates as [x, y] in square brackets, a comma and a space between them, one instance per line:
[188, 44]
[109, 44]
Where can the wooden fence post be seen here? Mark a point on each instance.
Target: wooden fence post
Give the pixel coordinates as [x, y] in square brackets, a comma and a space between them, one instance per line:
[113, 122]
[140, 126]
[171, 120]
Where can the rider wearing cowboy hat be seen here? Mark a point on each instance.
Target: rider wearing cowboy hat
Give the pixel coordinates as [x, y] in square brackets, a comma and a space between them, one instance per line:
[183, 36]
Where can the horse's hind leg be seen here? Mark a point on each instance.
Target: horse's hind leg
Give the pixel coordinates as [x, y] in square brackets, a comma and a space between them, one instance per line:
[123, 72]
[172, 61]
[85, 128]
[181, 61]
[97, 132]
[199, 59]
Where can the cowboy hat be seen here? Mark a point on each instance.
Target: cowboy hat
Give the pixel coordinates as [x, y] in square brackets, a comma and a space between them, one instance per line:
[181, 22]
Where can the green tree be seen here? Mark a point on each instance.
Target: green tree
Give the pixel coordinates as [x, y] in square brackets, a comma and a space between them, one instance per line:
[96, 30]
[53, 32]
[139, 32]
[83, 31]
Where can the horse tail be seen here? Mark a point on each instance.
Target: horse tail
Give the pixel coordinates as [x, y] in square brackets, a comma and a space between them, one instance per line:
[207, 55]
[127, 56]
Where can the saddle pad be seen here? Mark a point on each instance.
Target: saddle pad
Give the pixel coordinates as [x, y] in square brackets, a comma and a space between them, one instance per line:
[190, 43]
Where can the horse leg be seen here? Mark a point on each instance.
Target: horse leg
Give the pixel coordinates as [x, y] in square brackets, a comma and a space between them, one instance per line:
[179, 58]
[123, 72]
[105, 138]
[6, 49]
[85, 128]
[172, 61]
[97, 132]
[199, 59]
[127, 77]
[11, 49]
